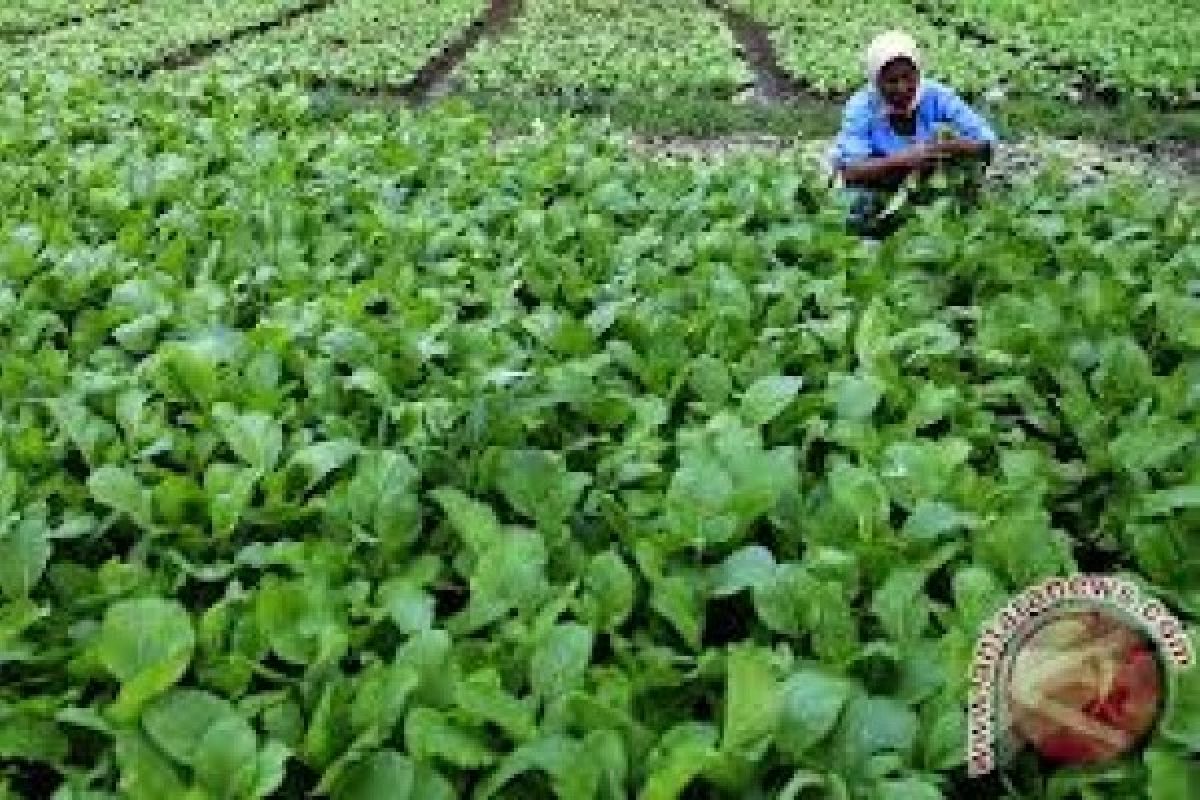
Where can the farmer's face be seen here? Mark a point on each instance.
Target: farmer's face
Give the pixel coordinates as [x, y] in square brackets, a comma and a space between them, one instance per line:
[898, 82]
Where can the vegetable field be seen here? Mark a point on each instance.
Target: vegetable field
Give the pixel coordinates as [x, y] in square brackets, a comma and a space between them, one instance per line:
[661, 49]
[385, 455]
[360, 43]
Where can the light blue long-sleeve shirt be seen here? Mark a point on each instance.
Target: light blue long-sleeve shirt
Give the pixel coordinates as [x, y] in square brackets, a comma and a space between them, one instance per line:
[867, 133]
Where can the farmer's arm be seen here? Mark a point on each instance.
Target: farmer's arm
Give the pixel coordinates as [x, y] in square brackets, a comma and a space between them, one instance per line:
[974, 137]
[853, 158]
[888, 172]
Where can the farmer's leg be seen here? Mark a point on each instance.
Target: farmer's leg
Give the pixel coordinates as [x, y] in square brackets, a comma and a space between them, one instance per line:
[862, 207]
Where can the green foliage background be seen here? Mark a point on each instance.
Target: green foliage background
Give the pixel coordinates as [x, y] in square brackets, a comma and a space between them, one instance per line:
[390, 458]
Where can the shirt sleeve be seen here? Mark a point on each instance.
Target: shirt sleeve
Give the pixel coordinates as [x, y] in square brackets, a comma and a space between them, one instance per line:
[968, 123]
[853, 143]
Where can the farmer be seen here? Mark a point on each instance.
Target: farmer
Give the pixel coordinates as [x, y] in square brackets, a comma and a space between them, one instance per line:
[890, 130]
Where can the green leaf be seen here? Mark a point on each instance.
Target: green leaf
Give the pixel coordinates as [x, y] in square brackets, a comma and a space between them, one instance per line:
[145, 773]
[802, 781]
[858, 491]
[871, 344]
[931, 520]
[1173, 776]
[383, 775]
[710, 379]
[119, 489]
[537, 484]
[1168, 501]
[147, 645]
[753, 700]
[271, 770]
[811, 701]
[1022, 546]
[24, 553]
[1149, 445]
[229, 489]
[679, 599]
[977, 596]
[409, 606]
[945, 746]
[901, 605]
[746, 568]
[560, 660]
[681, 755]
[429, 784]
[482, 696]
[301, 621]
[909, 789]
[320, 459]
[381, 697]
[254, 437]
[781, 601]
[700, 496]
[767, 397]
[472, 520]
[177, 721]
[430, 654]
[226, 757]
[27, 737]
[608, 591]
[856, 396]
[871, 725]
[429, 735]
[382, 497]
[1181, 721]
[573, 771]
[509, 575]
[923, 470]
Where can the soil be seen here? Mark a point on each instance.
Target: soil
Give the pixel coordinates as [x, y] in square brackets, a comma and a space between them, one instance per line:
[433, 79]
[772, 83]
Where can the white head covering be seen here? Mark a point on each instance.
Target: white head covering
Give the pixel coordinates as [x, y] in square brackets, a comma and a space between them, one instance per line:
[887, 47]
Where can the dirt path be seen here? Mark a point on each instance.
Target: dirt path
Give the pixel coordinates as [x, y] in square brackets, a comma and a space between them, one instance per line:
[1089, 163]
[433, 79]
[198, 51]
[771, 83]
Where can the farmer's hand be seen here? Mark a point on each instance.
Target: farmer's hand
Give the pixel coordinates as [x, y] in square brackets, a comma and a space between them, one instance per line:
[959, 148]
[922, 157]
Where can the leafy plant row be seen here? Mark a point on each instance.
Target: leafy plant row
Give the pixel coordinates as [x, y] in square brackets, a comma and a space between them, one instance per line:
[373, 457]
[821, 45]
[1148, 50]
[36, 16]
[607, 46]
[980, 45]
[361, 43]
[129, 39]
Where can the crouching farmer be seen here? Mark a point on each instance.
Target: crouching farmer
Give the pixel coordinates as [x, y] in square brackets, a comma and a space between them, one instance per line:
[901, 126]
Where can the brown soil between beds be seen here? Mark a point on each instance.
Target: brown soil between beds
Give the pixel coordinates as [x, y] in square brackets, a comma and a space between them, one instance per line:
[436, 72]
[432, 79]
[772, 82]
